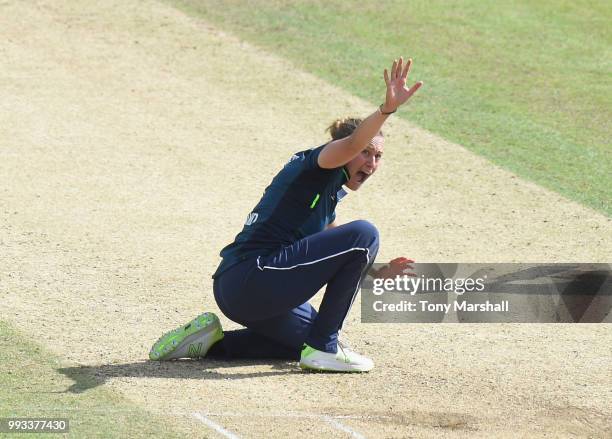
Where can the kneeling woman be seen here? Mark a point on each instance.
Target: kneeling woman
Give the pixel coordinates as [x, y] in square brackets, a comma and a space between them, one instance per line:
[290, 247]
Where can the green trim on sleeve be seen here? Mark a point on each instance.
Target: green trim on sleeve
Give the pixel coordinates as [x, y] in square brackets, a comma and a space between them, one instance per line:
[346, 174]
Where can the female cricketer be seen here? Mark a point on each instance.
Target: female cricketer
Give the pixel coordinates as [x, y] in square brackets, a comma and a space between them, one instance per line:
[291, 247]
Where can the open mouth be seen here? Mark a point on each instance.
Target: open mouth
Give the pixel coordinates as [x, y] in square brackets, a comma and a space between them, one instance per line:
[362, 176]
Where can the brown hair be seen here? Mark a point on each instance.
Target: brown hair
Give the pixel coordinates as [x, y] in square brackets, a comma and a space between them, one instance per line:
[341, 128]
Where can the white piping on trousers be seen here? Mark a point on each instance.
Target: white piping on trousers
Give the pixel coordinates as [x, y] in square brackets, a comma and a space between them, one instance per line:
[367, 250]
[355, 293]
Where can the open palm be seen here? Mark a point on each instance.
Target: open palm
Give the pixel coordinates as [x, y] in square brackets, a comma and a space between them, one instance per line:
[397, 93]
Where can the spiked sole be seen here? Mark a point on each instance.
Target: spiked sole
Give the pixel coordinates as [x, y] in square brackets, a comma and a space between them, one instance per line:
[192, 340]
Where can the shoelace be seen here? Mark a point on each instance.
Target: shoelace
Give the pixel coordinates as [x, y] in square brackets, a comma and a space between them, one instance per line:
[342, 346]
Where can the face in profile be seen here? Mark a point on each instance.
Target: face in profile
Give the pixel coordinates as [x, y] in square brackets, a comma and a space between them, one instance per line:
[366, 163]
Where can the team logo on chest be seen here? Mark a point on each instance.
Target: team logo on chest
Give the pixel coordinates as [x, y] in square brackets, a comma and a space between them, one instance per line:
[251, 218]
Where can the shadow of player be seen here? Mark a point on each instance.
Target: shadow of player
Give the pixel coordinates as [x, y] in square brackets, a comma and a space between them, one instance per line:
[89, 377]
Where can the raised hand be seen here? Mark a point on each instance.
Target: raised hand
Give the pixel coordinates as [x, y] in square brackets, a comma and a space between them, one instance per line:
[397, 93]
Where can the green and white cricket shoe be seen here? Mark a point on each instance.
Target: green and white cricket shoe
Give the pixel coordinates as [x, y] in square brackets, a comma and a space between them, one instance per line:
[192, 340]
[345, 360]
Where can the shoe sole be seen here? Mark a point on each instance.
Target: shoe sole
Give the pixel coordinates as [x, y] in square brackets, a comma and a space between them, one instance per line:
[323, 366]
[192, 340]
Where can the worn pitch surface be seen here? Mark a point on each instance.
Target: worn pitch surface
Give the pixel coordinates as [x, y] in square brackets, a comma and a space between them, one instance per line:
[135, 139]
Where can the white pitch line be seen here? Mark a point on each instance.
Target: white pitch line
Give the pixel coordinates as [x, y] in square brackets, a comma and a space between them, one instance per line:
[215, 426]
[331, 419]
[343, 427]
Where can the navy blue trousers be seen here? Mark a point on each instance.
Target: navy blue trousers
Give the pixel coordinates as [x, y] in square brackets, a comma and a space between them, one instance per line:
[269, 294]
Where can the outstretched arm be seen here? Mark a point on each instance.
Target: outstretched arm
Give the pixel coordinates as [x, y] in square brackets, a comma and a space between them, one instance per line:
[341, 151]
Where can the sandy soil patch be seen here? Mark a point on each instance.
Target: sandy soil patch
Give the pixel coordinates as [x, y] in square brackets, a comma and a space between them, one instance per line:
[135, 139]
